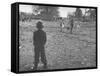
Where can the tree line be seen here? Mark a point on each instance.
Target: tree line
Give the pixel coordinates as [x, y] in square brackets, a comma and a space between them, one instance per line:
[51, 13]
[89, 14]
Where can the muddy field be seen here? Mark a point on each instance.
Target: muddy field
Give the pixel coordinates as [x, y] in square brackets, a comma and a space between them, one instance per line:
[63, 50]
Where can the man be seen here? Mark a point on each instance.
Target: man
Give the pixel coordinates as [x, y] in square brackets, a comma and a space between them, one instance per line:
[71, 26]
[39, 41]
[62, 26]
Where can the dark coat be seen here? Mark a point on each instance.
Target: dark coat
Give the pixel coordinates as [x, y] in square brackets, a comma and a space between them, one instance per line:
[39, 38]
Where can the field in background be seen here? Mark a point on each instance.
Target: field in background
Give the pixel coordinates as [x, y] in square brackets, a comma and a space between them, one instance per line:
[63, 50]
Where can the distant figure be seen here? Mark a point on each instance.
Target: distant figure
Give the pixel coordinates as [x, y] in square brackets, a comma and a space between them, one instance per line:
[39, 41]
[71, 26]
[78, 26]
[61, 26]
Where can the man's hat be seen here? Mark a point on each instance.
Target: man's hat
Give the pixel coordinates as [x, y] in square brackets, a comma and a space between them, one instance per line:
[39, 25]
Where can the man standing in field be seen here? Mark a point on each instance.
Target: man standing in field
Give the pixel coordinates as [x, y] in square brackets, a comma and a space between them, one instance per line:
[71, 25]
[71, 22]
[39, 41]
[62, 26]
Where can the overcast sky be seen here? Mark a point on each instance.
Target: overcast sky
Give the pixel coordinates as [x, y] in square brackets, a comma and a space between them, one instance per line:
[63, 11]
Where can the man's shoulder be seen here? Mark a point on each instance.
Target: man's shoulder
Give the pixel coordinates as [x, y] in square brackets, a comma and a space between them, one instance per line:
[44, 32]
[39, 31]
[35, 31]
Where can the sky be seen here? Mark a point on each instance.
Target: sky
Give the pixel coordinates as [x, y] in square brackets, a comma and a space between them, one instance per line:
[63, 11]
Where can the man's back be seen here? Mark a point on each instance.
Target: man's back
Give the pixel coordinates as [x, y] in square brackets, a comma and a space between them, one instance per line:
[39, 38]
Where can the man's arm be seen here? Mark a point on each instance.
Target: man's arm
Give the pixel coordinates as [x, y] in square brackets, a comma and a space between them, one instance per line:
[33, 38]
[45, 38]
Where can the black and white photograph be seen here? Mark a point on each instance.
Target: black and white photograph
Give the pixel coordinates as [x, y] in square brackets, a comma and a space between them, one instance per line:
[56, 37]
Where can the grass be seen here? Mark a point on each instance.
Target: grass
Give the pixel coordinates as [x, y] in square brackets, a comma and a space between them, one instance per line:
[63, 50]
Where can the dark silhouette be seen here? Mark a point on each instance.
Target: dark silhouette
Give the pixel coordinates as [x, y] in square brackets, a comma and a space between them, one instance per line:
[39, 40]
[71, 26]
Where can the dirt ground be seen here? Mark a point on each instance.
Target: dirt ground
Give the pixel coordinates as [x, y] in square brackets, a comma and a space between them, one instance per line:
[63, 50]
